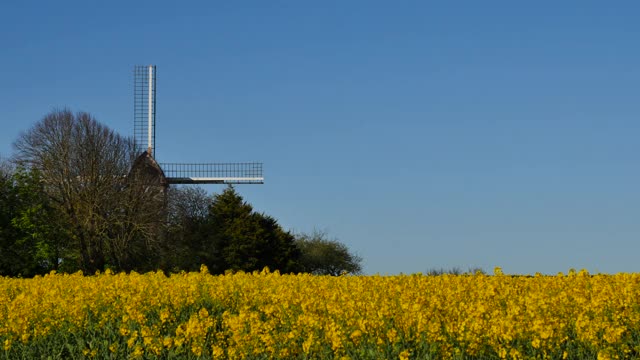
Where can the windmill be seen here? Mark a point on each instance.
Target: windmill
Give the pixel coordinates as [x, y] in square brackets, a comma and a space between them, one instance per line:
[176, 173]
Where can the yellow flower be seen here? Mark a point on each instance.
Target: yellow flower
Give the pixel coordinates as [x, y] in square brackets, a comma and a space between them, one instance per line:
[535, 343]
[164, 315]
[404, 355]
[217, 352]
[392, 335]
[355, 336]
[306, 345]
[124, 331]
[132, 340]
[196, 349]
[603, 355]
[138, 351]
[269, 315]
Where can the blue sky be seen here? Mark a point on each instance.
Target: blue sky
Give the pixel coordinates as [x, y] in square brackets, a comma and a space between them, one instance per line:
[421, 134]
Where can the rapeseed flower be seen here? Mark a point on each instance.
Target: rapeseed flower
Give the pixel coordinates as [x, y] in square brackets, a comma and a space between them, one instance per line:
[269, 315]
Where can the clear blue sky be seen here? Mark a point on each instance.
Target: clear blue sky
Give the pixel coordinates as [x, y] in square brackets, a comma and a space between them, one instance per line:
[421, 134]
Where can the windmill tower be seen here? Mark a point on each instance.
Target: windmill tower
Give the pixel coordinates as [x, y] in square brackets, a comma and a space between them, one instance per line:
[144, 128]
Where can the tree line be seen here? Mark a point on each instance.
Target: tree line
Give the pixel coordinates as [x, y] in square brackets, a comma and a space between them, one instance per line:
[70, 200]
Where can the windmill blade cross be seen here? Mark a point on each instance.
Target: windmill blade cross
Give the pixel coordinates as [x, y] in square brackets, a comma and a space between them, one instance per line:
[144, 93]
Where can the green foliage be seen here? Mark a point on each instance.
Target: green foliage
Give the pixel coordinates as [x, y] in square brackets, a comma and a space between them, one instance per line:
[10, 256]
[224, 233]
[322, 256]
[237, 238]
[455, 271]
[33, 239]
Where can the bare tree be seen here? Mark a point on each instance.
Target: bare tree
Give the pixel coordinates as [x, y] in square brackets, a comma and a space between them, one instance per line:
[113, 212]
[188, 204]
[187, 211]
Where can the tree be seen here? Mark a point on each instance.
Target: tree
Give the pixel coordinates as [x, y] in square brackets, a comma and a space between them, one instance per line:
[10, 256]
[32, 240]
[188, 209]
[237, 238]
[112, 213]
[322, 256]
[6, 168]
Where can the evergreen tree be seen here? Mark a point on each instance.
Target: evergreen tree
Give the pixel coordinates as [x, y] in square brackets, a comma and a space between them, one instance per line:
[240, 239]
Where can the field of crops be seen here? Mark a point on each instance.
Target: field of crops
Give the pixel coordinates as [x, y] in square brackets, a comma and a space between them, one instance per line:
[269, 316]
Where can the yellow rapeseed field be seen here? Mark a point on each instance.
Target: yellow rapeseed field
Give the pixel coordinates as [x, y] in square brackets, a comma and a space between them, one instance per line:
[271, 316]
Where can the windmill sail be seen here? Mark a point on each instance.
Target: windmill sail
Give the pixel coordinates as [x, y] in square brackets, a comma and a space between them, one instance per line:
[214, 173]
[178, 173]
[144, 108]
